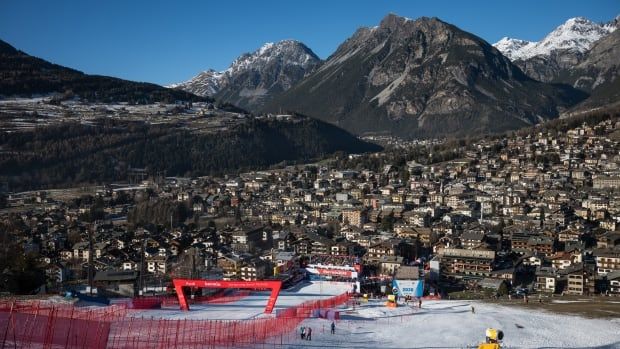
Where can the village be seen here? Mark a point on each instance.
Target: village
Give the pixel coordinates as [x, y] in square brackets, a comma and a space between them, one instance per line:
[522, 214]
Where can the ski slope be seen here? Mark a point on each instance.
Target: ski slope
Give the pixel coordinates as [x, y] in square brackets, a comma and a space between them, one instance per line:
[439, 324]
[451, 324]
[252, 306]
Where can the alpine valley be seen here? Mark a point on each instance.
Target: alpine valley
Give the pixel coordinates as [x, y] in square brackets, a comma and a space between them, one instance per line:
[404, 78]
[61, 127]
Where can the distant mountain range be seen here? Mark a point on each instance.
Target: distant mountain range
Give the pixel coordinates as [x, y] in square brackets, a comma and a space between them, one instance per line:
[425, 77]
[579, 52]
[576, 35]
[421, 78]
[404, 77]
[254, 77]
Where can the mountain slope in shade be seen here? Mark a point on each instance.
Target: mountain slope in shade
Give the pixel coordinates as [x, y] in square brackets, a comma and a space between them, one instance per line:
[255, 77]
[24, 75]
[422, 78]
[599, 72]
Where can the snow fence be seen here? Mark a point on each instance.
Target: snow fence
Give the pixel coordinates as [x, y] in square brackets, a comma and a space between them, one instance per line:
[42, 324]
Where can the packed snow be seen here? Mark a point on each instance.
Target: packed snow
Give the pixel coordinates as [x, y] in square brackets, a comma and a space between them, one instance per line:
[252, 306]
[451, 324]
[438, 324]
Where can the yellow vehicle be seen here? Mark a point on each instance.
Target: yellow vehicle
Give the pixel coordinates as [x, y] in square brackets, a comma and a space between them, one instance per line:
[391, 301]
[489, 346]
[493, 338]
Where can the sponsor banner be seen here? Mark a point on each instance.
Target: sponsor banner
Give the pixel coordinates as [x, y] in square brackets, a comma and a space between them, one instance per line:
[413, 288]
[333, 272]
[330, 266]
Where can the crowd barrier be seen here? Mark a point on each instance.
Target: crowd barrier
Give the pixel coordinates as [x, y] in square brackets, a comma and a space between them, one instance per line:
[43, 325]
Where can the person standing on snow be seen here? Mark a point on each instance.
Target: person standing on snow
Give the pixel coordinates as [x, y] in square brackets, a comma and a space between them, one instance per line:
[333, 327]
[309, 333]
[303, 333]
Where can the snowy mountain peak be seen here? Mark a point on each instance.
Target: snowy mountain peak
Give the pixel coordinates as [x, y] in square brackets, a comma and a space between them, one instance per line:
[207, 83]
[254, 77]
[265, 48]
[576, 34]
[613, 24]
[289, 52]
[509, 46]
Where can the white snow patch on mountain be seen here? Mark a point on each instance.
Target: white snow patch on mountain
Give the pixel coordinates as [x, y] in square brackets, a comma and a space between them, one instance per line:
[289, 52]
[510, 47]
[577, 34]
[207, 83]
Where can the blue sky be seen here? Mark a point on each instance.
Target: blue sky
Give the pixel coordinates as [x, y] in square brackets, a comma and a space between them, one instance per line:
[171, 41]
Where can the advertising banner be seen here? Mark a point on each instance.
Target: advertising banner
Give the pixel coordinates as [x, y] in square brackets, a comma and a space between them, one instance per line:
[413, 288]
[328, 270]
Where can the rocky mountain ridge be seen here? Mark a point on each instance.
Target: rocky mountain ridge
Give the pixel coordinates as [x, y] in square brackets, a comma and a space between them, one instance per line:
[576, 34]
[554, 58]
[255, 77]
[420, 78]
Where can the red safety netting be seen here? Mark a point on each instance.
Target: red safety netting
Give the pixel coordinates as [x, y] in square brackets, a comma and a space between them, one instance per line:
[305, 309]
[37, 324]
[64, 310]
[51, 328]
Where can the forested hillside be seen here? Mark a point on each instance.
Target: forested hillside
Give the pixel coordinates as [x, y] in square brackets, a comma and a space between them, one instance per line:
[73, 153]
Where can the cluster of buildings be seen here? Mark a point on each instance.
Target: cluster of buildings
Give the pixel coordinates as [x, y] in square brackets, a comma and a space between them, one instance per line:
[539, 210]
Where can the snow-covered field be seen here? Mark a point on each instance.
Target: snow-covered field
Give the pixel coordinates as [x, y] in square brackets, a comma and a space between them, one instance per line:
[451, 324]
[439, 324]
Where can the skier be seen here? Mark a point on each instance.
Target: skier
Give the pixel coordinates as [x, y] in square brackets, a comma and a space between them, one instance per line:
[420, 303]
[333, 328]
[473, 311]
[309, 333]
[303, 333]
